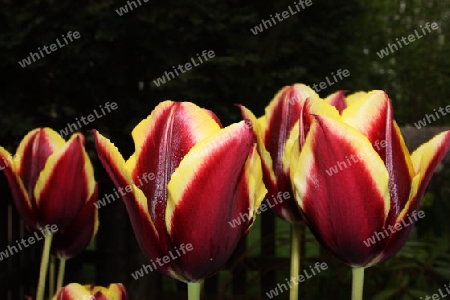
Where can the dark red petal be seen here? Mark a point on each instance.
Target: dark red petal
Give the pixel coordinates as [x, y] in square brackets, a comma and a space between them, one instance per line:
[161, 142]
[33, 152]
[23, 203]
[337, 100]
[72, 240]
[426, 159]
[65, 184]
[207, 192]
[346, 207]
[136, 203]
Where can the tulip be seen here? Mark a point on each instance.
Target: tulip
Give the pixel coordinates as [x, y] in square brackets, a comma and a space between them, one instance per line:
[353, 177]
[52, 182]
[205, 176]
[281, 119]
[76, 291]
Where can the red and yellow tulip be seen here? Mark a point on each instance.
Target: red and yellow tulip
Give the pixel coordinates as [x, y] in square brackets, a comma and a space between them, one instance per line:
[52, 182]
[273, 130]
[205, 176]
[75, 291]
[353, 176]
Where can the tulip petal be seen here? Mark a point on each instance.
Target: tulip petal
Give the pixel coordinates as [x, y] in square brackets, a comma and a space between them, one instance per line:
[76, 237]
[359, 188]
[21, 199]
[66, 172]
[425, 159]
[337, 100]
[266, 159]
[34, 150]
[161, 141]
[206, 192]
[372, 115]
[135, 201]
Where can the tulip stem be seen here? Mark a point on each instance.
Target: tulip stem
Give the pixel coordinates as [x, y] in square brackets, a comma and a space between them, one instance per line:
[358, 283]
[44, 267]
[295, 258]
[51, 278]
[194, 289]
[61, 270]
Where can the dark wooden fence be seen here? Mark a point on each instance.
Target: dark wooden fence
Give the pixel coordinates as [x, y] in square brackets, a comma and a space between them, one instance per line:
[116, 254]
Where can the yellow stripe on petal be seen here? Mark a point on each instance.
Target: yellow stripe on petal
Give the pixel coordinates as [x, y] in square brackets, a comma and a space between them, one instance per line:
[192, 163]
[135, 201]
[201, 124]
[256, 188]
[354, 97]
[366, 112]
[425, 159]
[258, 129]
[422, 157]
[374, 165]
[55, 140]
[289, 161]
[405, 151]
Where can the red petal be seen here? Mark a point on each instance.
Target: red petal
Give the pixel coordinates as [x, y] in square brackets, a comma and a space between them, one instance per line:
[65, 184]
[161, 142]
[346, 207]
[76, 237]
[23, 203]
[33, 151]
[135, 201]
[206, 192]
[337, 100]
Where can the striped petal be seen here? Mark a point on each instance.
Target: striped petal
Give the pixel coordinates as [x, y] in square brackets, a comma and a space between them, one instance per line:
[210, 188]
[372, 115]
[351, 180]
[161, 142]
[66, 172]
[34, 151]
[135, 202]
[76, 291]
[337, 100]
[22, 201]
[77, 235]
[425, 159]
[266, 159]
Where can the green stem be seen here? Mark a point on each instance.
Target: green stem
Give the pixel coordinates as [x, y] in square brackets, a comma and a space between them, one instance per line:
[44, 267]
[357, 283]
[295, 258]
[51, 277]
[194, 289]
[61, 270]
